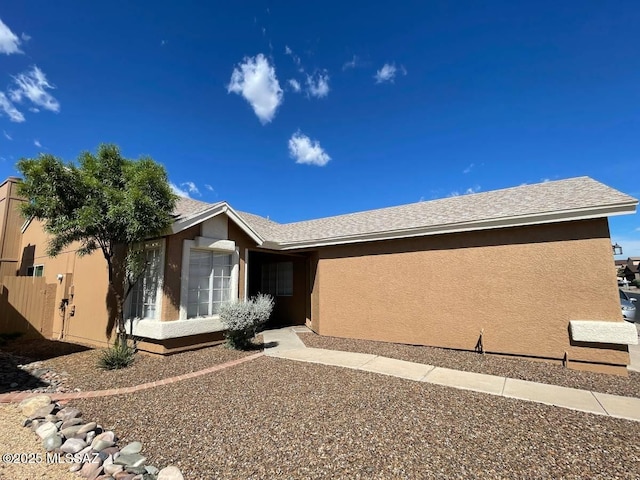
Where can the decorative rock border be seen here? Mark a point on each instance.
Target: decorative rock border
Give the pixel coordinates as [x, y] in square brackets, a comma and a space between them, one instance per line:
[93, 451]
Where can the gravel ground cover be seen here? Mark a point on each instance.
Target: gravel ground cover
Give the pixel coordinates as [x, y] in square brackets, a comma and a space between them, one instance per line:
[16, 439]
[85, 375]
[80, 368]
[273, 418]
[535, 371]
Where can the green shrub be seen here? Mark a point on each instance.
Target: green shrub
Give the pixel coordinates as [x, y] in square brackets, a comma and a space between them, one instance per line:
[119, 356]
[635, 283]
[243, 319]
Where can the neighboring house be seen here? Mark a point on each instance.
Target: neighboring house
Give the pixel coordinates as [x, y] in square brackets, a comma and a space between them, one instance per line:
[380, 275]
[632, 268]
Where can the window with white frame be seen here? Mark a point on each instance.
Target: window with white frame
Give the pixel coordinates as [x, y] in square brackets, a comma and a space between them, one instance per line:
[209, 284]
[35, 271]
[277, 279]
[144, 295]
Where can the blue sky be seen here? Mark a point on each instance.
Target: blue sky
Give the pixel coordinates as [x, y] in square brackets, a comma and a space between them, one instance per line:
[297, 111]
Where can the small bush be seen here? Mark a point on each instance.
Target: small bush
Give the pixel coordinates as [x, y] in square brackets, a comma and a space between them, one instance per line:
[243, 319]
[635, 283]
[119, 356]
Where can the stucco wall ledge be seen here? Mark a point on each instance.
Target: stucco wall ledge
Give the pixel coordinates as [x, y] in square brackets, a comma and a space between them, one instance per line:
[176, 328]
[603, 332]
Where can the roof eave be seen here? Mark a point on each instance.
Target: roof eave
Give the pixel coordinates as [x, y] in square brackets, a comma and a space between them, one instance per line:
[208, 213]
[514, 221]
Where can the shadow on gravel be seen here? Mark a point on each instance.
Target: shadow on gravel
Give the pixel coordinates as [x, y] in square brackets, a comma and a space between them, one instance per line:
[21, 352]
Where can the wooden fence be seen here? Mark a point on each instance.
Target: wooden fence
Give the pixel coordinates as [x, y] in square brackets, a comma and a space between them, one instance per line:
[27, 306]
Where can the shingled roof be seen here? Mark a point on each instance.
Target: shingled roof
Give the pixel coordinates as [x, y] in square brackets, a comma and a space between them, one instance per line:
[187, 207]
[560, 200]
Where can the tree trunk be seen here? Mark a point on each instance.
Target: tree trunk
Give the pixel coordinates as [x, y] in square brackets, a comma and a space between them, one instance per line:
[114, 280]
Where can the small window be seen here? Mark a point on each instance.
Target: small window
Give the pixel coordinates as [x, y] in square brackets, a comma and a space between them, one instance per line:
[277, 279]
[35, 271]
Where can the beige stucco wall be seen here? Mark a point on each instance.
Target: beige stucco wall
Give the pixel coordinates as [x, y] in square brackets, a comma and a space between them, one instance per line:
[85, 277]
[521, 286]
[88, 280]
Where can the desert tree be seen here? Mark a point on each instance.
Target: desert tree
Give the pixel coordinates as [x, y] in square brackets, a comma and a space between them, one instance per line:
[103, 202]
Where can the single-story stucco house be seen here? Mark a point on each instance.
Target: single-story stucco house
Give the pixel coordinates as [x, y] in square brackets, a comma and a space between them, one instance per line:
[386, 274]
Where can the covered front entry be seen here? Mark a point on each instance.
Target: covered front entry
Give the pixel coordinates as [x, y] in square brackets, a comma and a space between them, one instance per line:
[285, 278]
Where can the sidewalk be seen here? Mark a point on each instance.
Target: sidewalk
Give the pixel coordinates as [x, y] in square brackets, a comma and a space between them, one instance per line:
[286, 344]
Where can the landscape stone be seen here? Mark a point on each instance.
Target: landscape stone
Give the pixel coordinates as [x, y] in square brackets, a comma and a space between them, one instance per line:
[113, 451]
[151, 470]
[99, 445]
[112, 468]
[89, 468]
[75, 467]
[71, 423]
[86, 428]
[73, 445]
[68, 413]
[29, 406]
[27, 422]
[130, 460]
[46, 429]
[137, 470]
[109, 436]
[90, 436]
[52, 442]
[43, 411]
[124, 476]
[170, 473]
[133, 447]
[70, 431]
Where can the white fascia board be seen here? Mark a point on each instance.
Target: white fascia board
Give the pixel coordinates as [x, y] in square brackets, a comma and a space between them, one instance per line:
[215, 244]
[162, 330]
[231, 213]
[597, 331]
[525, 220]
[212, 212]
[198, 218]
[26, 224]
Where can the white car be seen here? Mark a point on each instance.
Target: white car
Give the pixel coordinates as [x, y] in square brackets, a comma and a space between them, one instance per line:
[628, 307]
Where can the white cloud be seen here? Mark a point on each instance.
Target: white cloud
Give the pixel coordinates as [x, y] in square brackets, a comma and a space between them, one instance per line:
[33, 85]
[468, 169]
[307, 151]
[10, 110]
[37, 143]
[209, 187]
[294, 57]
[178, 191]
[191, 188]
[295, 85]
[468, 191]
[319, 86]
[9, 41]
[6, 135]
[256, 81]
[353, 63]
[25, 37]
[386, 74]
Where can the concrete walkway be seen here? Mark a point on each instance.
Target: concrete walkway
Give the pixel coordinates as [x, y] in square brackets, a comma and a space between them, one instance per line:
[286, 344]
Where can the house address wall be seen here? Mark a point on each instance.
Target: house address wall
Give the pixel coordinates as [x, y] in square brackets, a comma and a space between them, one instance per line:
[519, 286]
